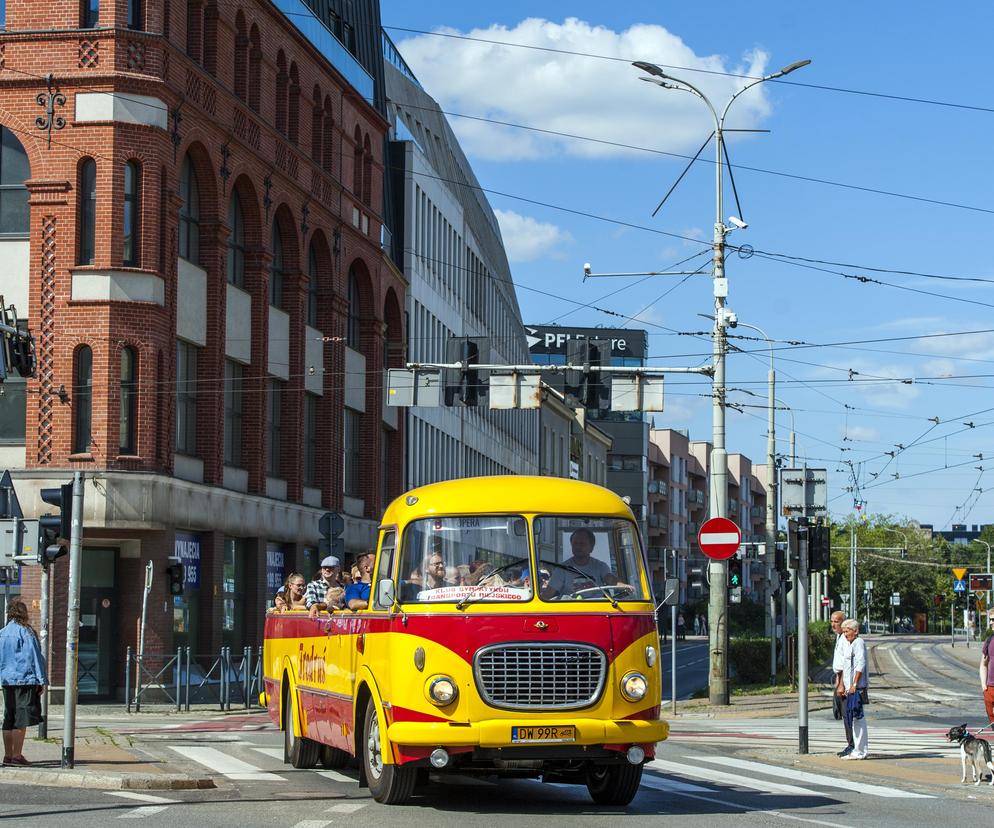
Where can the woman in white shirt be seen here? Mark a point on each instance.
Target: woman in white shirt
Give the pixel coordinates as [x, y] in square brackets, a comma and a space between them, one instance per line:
[854, 683]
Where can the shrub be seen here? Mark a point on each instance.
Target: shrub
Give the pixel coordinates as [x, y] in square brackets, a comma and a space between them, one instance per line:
[749, 659]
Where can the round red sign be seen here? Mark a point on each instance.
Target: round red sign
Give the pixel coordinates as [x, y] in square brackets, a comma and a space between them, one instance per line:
[719, 538]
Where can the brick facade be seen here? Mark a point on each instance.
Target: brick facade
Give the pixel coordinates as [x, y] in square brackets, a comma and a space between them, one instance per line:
[213, 87]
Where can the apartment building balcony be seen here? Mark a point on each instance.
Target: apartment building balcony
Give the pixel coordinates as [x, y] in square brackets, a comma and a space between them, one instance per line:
[757, 512]
[659, 522]
[733, 505]
[695, 497]
[659, 487]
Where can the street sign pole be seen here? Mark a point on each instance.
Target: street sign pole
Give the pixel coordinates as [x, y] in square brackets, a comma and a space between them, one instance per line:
[72, 624]
[802, 644]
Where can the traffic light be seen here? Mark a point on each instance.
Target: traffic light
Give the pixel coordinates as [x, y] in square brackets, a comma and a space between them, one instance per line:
[794, 544]
[176, 577]
[55, 531]
[819, 548]
[780, 559]
[465, 383]
[735, 572]
[587, 387]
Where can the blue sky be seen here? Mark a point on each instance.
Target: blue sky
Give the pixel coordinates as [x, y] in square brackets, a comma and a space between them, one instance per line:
[927, 151]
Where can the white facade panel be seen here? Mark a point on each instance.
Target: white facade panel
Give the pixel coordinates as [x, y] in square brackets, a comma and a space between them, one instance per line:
[279, 343]
[355, 380]
[238, 325]
[121, 107]
[191, 307]
[14, 274]
[117, 286]
[313, 361]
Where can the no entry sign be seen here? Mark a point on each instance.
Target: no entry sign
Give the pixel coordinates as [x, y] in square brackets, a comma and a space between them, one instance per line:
[719, 538]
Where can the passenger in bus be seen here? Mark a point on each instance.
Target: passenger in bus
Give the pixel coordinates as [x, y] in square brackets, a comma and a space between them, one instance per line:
[595, 571]
[318, 591]
[357, 595]
[291, 596]
[544, 578]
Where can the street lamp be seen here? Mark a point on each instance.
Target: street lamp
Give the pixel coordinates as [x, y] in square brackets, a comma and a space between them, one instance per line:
[718, 570]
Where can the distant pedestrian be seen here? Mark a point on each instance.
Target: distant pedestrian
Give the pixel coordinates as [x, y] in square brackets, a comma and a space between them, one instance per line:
[987, 668]
[704, 624]
[23, 677]
[854, 681]
[697, 625]
[681, 627]
[838, 689]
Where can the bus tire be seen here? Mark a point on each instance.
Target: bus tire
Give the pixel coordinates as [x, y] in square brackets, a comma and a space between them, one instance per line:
[614, 784]
[298, 751]
[333, 758]
[389, 784]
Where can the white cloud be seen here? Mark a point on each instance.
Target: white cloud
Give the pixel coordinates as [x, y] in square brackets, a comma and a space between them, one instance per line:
[574, 93]
[863, 434]
[527, 239]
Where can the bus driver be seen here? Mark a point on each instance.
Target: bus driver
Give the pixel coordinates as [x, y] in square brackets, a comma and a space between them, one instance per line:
[598, 573]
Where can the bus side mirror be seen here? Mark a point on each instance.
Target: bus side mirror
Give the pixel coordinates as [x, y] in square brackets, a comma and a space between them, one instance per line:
[385, 597]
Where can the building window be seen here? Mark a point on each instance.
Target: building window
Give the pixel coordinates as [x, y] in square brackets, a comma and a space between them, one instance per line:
[357, 163]
[312, 287]
[293, 105]
[232, 413]
[274, 428]
[387, 461]
[82, 400]
[186, 398]
[236, 241]
[317, 117]
[13, 411]
[129, 402]
[14, 171]
[351, 452]
[136, 14]
[276, 269]
[89, 14]
[328, 153]
[310, 446]
[241, 57]
[189, 213]
[352, 322]
[255, 64]
[367, 171]
[132, 212]
[282, 84]
[87, 211]
[209, 38]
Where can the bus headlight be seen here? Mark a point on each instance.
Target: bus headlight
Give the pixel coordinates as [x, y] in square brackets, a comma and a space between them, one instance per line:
[634, 686]
[442, 690]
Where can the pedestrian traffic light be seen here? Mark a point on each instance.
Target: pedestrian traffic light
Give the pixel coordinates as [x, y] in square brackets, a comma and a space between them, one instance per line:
[466, 382]
[586, 386]
[819, 548]
[793, 544]
[175, 573]
[735, 572]
[55, 531]
[780, 559]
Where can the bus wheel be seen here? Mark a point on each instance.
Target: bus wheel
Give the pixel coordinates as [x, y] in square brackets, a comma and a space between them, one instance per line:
[332, 758]
[614, 784]
[298, 751]
[389, 784]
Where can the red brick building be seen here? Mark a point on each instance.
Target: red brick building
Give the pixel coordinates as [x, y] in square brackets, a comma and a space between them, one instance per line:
[191, 218]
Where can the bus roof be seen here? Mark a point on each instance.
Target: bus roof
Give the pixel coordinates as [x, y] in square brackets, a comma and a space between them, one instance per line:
[503, 494]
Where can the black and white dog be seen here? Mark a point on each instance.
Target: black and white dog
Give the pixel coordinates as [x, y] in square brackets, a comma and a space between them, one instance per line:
[978, 751]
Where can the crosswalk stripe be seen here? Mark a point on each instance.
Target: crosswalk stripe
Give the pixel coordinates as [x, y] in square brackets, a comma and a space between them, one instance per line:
[276, 753]
[312, 823]
[140, 797]
[144, 811]
[810, 778]
[346, 807]
[730, 779]
[665, 783]
[226, 765]
[335, 776]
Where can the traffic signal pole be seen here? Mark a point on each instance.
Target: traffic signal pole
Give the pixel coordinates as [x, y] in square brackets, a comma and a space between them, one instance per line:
[802, 643]
[72, 624]
[45, 642]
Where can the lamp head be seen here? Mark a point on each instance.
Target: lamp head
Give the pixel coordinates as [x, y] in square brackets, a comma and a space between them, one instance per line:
[800, 64]
[651, 68]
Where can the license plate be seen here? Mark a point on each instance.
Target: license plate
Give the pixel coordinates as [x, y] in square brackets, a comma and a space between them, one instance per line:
[543, 733]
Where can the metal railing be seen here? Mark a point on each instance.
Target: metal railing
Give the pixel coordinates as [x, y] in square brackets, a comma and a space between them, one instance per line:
[184, 678]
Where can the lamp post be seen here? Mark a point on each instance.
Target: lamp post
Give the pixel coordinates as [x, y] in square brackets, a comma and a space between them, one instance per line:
[718, 570]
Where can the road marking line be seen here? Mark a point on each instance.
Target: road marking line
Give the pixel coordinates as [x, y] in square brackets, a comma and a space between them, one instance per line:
[666, 783]
[732, 779]
[144, 811]
[811, 778]
[141, 797]
[276, 753]
[313, 823]
[226, 765]
[335, 776]
[346, 807]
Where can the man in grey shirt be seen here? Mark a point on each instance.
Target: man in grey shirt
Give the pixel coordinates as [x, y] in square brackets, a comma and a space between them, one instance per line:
[595, 571]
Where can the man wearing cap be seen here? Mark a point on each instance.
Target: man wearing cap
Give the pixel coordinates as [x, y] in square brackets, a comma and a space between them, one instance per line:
[326, 592]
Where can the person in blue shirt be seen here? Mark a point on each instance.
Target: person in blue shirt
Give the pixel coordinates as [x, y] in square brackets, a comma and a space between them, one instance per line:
[357, 594]
[23, 676]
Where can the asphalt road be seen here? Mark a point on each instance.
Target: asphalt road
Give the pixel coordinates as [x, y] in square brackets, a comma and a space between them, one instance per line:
[711, 772]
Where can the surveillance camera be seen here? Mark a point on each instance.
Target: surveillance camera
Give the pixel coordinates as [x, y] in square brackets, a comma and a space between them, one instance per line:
[729, 318]
[586, 269]
[738, 222]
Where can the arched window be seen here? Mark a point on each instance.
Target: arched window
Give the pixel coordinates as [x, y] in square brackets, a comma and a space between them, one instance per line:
[328, 153]
[209, 47]
[236, 242]
[367, 170]
[15, 216]
[89, 14]
[255, 64]
[317, 117]
[195, 29]
[82, 400]
[129, 402]
[312, 287]
[282, 82]
[276, 269]
[293, 109]
[87, 211]
[189, 213]
[132, 213]
[241, 57]
[352, 323]
[357, 163]
[136, 14]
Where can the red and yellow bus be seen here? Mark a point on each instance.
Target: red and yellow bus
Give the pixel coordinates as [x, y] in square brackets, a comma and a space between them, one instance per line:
[510, 630]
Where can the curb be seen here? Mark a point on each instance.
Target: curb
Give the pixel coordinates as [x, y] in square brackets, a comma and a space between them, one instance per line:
[105, 781]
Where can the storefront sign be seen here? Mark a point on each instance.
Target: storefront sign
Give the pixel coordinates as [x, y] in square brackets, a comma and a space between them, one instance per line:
[275, 567]
[187, 549]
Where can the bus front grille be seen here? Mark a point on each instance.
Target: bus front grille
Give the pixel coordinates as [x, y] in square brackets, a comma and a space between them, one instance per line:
[549, 676]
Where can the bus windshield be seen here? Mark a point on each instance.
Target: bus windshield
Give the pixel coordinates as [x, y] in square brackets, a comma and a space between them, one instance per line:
[588, 558]
[472, 557]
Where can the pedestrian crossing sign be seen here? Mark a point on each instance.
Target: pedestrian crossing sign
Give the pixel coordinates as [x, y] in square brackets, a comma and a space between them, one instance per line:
[959, 585]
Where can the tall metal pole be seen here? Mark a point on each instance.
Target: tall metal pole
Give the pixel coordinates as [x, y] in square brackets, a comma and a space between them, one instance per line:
[43, 639]
[72, 624]
[853, 600]
[802, 645]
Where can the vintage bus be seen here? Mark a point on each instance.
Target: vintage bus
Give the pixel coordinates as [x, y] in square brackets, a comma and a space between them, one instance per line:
[510, 631]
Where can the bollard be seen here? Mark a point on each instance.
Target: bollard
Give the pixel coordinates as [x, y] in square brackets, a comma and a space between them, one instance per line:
[179, 676]
[225, 660]
[187, 705]
[127, 679]
[247, 675]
